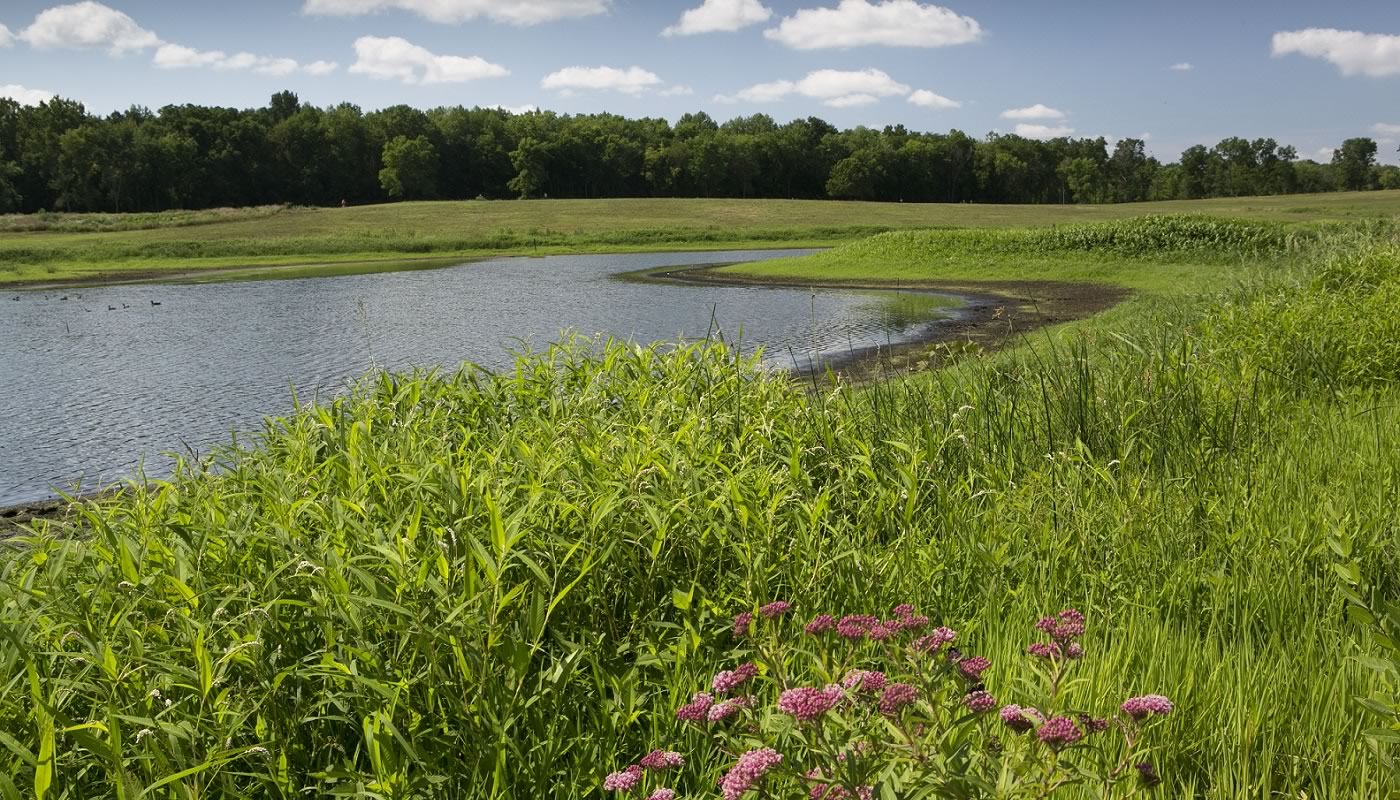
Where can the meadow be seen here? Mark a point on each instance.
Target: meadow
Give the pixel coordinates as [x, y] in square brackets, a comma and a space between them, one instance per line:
[469, 584]
[67, 247]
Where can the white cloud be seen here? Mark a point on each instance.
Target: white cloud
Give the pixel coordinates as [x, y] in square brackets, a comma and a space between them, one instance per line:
[515, 12]
[892, 23]
[1385, 129]
[6, 37]
[1037, 111]
[397, 58]
[628, 81]
[88, 25]
[25, 96]
[1030, 131]
[1353, 52]
[1322, 155]
[174, 56]
[716, 16]
[676, 91]
[927, 99]
[518, 110]
[835, 88]
[1184, 66]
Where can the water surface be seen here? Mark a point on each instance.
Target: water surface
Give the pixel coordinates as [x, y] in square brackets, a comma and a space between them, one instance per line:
[104, 383]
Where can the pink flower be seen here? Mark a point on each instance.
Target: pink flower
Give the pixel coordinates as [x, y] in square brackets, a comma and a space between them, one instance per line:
[882, 631]
[1092, 724]
[832, 791]
[1064, 627]
[979, 702]
[748, 771]
[775, 609]
[1075, 651]
[728, 680]
[1044, 650]
[662, 794]
[743, 624]
[855, 626]
[972, 668]
[912, 622]
[624, 781]
[1141, 708]
[807, 704]
[935, 640]
[820, 624]
[696, 709]
[658, 760]
[904, 610]
[864, 680]
[1020, 719]
[896, 697]
[1059, 731]
[721, 711]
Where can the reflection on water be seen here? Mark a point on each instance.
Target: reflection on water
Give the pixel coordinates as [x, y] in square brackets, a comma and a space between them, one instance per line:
[97, 383]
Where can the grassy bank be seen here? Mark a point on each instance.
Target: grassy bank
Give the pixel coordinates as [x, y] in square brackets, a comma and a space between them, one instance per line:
[66, 247]
[503, 585]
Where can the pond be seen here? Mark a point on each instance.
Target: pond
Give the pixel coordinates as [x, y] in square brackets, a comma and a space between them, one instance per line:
[100, 383]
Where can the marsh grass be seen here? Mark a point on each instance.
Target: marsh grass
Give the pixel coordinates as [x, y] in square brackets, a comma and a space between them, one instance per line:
[472, 584]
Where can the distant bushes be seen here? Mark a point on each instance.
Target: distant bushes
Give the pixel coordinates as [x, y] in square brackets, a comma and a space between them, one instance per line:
[99, 223]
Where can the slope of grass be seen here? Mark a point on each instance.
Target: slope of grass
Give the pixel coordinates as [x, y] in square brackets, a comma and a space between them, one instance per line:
[500, 585]
[300, 236]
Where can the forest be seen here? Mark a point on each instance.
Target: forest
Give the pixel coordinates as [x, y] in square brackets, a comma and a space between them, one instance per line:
[57, 156]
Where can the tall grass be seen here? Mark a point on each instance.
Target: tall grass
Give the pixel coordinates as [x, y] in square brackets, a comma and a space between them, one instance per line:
[500, 585]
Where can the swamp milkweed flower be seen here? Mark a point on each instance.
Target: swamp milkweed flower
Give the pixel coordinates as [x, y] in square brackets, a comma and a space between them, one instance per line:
[624, 781]
[728, 680]
[1063, 627]
[696, 709]
[1059, 732]
[806, 703]
[743, 624]
[822, 623]
[855, 626]
[896, 697]
[662, 794]
[972, 668]
[864, 680]
[935, 640]
[979, 702]
[1141, 708]
[775, 609]
[1020, 719]
[658, 760]
[721, 711]
[748, 771]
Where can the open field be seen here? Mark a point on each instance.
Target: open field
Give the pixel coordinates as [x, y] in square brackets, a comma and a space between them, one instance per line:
[504, 585]
[71, 249]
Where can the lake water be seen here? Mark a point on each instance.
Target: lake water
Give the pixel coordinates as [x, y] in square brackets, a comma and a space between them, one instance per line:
[97, 386]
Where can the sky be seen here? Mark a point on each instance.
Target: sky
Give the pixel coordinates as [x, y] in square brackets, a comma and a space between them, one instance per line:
[1176, 74]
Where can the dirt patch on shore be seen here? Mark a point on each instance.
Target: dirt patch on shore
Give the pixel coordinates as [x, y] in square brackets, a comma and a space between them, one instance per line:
[14, 519]
[994, 314]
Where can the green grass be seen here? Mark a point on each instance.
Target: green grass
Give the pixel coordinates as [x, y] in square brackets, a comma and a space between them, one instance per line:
[502, 585]
[194, 240]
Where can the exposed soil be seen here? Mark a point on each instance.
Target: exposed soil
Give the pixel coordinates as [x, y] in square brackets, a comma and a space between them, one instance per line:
[13, 517]
[994, 314]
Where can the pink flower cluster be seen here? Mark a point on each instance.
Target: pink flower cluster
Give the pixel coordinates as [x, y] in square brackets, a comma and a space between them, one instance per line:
[979, 702]
[775, 609]
[697, 709]
[624, 781]
[728, 680]
[1045, 650]
[807, 703]
[1092, 724]
[972, 668]
[1059, 732]
[896, 697]
[748, 771]
[855, 626]
[659, 760]
[743, 624]
[662, 794]
[1020, 719]
[1066, 626]
[723, 710]
[864, 680]
[831, 791]
[935, 640]
[822, 623]
[1140, 708]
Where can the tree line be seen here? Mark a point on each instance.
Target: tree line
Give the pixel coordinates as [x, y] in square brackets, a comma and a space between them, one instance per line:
[57, 156]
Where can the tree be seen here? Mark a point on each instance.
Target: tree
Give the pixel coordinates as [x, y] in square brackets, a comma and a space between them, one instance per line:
[530, 159]
[410, 168]
[1354, 160]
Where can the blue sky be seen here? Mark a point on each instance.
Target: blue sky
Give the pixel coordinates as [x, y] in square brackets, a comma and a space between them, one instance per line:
[1305, 73]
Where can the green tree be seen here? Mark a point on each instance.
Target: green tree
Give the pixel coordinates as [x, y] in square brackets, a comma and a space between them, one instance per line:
[1354, 160]
[531, 162]
[410, 168]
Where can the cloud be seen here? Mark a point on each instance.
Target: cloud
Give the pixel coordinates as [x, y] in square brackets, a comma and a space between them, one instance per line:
[892, 23]
[25, 96]
[1037, 111]
[676, 91]
[174, 56]
[716, 16]
[927, 99]
[386, 58]
[514, 12]
[835, 88]
[6, 37]
[1043, 131]
[628, 81]
[1321, 155]
[1385, 129]
[1184, 66]
[518, 110]
[88, 25]
[1355, 53]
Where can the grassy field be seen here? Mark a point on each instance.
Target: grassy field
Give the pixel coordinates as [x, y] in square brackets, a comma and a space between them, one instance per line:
[503, 585]
[86, 246]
